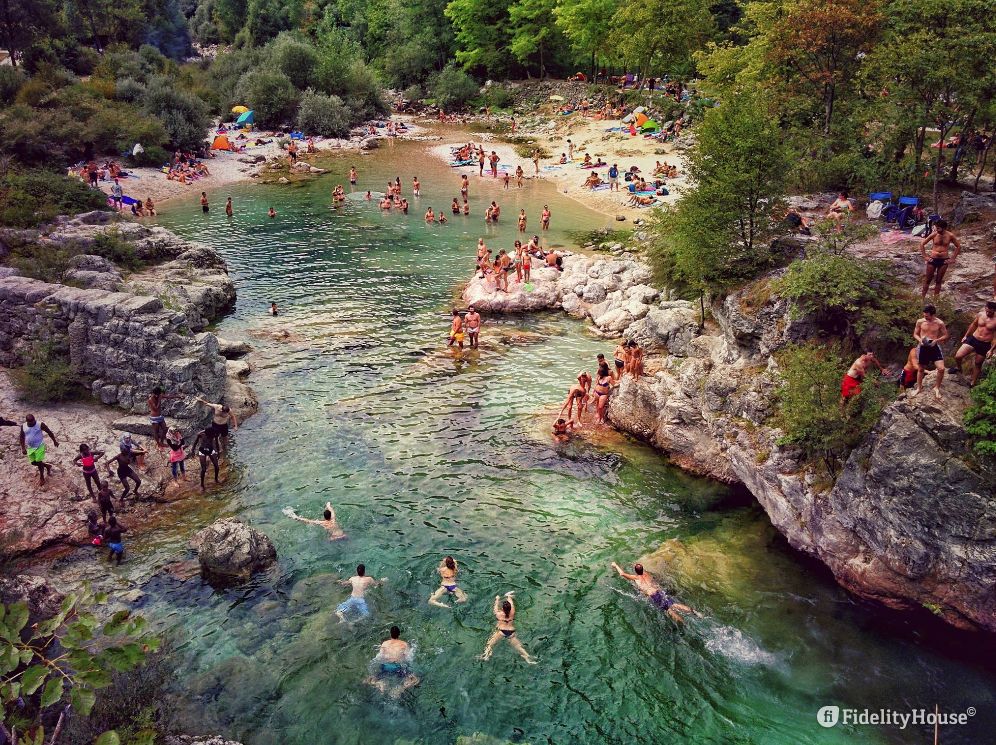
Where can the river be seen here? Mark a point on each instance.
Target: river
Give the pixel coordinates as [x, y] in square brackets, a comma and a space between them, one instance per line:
[422, 454]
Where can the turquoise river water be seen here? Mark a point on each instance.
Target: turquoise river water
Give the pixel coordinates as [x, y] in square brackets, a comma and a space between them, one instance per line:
[425, 454]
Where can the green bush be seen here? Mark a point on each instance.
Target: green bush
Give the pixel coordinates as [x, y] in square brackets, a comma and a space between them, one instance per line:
[323, 115]
[11, 80]
[152, 155]
[46, 375]
[980, 419]
[498, 97]
[295, 59]
[413, 93]
[183, 115]
[810, 413]
[452, 88]
[110, 245]
[270, 94]
[129, 89]
[33, 197]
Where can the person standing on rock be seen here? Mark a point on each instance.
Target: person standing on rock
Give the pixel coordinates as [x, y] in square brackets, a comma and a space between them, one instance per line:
[646, 584]
[621, 358]
[221, 418]
[177, 455]
[938, 262]
[635, 359]
[112, 539]
[603, 385]
[156, 418]
[979, 341]
[87, 460]
[357, 601]
[32, 439]
[577, 395]
[206, 447]
[328, 522]
[124, 472]
[104, 503]
[473, 323]
[930, 332]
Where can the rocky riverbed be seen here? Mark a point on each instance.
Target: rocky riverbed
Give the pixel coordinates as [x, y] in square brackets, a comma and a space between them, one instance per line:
[122, 333]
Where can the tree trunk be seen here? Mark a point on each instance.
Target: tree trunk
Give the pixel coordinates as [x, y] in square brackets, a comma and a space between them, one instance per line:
[594, 65]
[982, 163]
[9, 26]
[938, 163]
[829, 91]
[966, 131]
[58, 727]
[701, 310]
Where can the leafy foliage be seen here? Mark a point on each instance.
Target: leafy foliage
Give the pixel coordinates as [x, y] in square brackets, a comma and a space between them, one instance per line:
[980, 419]
[32, 197]
[810, 411]
[46, 375]
[711, 239]
[323, 115]
[453, 89]
[183, 115]
[270, 94]
[64, 659]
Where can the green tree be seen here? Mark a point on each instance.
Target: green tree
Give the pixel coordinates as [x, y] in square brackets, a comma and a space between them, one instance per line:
[271, 95]
[711, 240]
[323, 115]
[183, 115]
[587, 24]
[662, 35]
[980, 419]
[453, 88]
[22, 22]
[533, 33]
[63, 659]
[482, 33]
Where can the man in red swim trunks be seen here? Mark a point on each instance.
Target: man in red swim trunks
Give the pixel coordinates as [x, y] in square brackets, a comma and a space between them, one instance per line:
[850, 386]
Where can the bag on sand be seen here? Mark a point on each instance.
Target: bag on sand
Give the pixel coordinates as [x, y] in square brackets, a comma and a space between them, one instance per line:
[874, 210]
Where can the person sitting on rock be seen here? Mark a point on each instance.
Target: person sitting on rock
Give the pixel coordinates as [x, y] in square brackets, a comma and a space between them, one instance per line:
[32, 438]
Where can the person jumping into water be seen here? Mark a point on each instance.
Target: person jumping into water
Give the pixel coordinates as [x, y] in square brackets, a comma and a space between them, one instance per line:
[504, 611]
[394, 658]
[357, 601]
[448, 576]
[645, 583]
[328, 522]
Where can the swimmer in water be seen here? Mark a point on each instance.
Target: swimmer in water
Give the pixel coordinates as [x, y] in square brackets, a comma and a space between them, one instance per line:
[271, 213]
[394, 658]
[356, 600]
[273, 309]
[448, 575]
[646, 584]
[328, 522]
[505, 615]
[562, 429]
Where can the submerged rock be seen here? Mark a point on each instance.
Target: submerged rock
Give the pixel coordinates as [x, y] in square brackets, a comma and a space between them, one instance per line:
[230, 549]
[198, 740]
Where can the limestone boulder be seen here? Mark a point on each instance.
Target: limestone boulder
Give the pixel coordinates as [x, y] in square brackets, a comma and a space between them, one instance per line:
[670, 329]
[231, 550]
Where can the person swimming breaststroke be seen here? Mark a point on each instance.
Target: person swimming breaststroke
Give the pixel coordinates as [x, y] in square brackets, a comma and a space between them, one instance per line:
[646, 584]
[356, 601]
[448, 577]
[393, 661]
[328, 522]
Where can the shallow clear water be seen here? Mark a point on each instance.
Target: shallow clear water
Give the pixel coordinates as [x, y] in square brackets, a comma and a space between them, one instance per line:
[423, 454]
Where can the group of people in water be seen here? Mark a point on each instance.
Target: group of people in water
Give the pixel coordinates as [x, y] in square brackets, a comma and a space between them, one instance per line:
[393, 672]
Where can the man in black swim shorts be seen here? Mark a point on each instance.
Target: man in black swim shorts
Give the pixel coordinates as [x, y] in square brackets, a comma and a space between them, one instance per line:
[979, 341]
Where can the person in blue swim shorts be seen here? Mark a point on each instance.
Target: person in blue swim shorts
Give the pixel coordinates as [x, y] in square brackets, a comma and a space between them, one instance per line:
[356, 603]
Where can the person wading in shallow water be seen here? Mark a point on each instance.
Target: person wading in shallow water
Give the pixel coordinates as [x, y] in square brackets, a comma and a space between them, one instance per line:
[206, 447]
[32, 440]
[473, 323]
[222, 416]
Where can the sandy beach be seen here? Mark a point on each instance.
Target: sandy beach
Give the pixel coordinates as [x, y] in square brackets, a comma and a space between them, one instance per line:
[588, 136]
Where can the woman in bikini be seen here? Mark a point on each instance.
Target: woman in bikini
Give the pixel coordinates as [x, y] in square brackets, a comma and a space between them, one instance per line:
[505, 615]
[518, 261]
[522, 221]
[448, 577]
[603, 384]
[87, 460]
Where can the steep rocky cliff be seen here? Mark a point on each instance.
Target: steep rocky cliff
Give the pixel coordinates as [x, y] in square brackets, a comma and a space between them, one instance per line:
[910, 521]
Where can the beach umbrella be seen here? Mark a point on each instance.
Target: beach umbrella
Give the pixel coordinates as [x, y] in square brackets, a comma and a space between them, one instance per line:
[240, 109]
[245, 118]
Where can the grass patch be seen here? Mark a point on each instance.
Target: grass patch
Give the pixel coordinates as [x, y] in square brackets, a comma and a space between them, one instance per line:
[46, 375]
